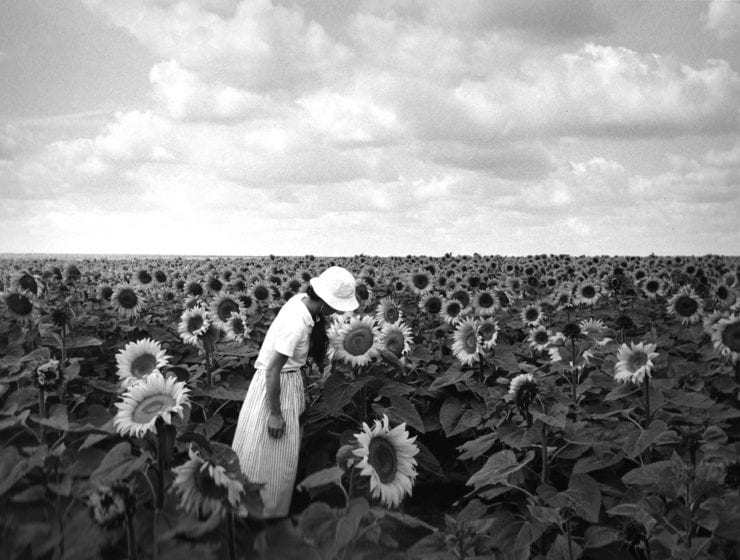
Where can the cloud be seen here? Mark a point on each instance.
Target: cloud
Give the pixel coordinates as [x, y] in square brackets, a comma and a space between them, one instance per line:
[603, 90]
[723, 18]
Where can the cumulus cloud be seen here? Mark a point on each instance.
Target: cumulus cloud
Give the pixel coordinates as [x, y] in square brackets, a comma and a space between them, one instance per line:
[723, 18]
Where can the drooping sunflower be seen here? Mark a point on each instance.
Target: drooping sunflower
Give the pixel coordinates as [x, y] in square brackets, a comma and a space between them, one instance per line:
[396, 338]
[24, 280]
[138, 359]
[466, 346]
[236, 328]
[110, 504]
[387, 458]
[523, 390]
[634, 362]
[539, 338]
[206, 488]
[726, 337]
[595, 329]
[144, 402]
[20, 304]
[488, 330]
[357, 342]
[485, 303]
[222, 307]
[686, 305]
[532, 315]
[421, 282]
[127, 301]
[193, 325]
[452, 311]
[388, 311]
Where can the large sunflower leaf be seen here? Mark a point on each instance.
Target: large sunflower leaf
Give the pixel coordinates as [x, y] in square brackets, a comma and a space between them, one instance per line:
[401, 410]
[118, 464]
[498, 468]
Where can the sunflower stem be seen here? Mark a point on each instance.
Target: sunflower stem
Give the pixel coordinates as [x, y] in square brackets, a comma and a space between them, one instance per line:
[131, 536]
[232, 535]
[570, 540]
[646, 384]
[161, 452]
[42, 412]
[543, 436]
[737, 371]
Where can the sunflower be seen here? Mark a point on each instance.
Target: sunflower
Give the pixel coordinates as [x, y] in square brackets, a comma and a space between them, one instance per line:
[563, 298]
[21, 304]
[364, 294]
[236, 327]
[154, 397]
[466, 346]
[193, 325]
[522, 390]
[452, 311]
[222, 307]
[111, 504]
[206, 488]
[48, 376]
[261, 292]
[214, 285]
[653, 287]
[138, 359]
[711, 319]
[357, 342]
[388, 311]
[595, 329]
[723, 294]
[539, 338]
[532, 315]
[104, 293]
[194, 289]
[687, 305]
[246, 301]
[421, 282]
[24, 280]
[127, 301]
[143, 278]
[485, 303]
[461, 295]
[431, 303]
[587, 293]
[726, 337]
[387, 457]
[396, 338]
[634, 362]
[488, 330]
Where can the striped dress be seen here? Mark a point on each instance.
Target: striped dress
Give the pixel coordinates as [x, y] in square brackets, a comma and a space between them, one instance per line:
[264, 459]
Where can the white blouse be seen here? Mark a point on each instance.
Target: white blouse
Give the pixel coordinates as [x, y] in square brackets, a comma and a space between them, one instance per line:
[288, 334]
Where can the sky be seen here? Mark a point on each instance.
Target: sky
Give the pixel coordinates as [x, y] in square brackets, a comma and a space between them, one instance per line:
[376, 127]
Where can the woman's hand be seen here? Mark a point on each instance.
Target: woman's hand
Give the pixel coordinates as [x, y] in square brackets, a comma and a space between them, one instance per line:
[276, 425]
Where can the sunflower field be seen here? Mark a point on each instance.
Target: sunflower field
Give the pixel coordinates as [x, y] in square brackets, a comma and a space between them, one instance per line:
[550, 407]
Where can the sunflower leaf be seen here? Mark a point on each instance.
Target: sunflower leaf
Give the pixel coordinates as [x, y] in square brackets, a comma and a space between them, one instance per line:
[118, 464]
[401, 410]
[498, 468]
[324, 477]
[83, 342]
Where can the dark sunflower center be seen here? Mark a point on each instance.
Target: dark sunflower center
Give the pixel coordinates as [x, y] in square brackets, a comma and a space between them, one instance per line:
[503, 299]
[686, 306]
[358, 341]
[226, 308]
[532, 314]
[421, 281]
[588, 291]
[433, 305]
[470, 341]
[652, 286]
[486, 331]
[382, 457]
[143, 365]
[207, 486]
[215, 284]
[19, 304]
[150, 407]
[362, 292]
[28, 282]
[144, 277]
[485, 300]
[261, 293]
[731, 336]
[462, 296]
[237, 325]
[195, 323]
[128, 298]
[394, 343]
[246, 301]
[453, 309]
[637, 360]
[540, 337]
[106, 292]
[160, 276]
[195, 289]
[723, 292]
[391, 314]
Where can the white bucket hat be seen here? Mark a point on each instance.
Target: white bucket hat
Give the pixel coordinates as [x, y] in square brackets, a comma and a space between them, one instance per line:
[336, 286]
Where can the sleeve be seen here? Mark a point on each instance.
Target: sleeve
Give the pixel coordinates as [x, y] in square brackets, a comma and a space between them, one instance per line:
[288, 333]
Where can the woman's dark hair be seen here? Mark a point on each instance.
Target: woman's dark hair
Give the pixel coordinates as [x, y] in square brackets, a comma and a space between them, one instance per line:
[319, 342]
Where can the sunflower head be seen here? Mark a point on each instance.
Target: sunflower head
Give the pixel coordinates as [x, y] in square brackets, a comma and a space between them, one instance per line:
[109, 505]
[48, 376]
[523, 390]
[357, 342]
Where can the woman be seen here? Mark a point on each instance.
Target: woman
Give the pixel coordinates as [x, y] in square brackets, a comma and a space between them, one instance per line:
[267, 438]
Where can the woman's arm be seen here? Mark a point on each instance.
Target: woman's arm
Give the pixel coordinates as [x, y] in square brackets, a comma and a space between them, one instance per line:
[275, 422]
